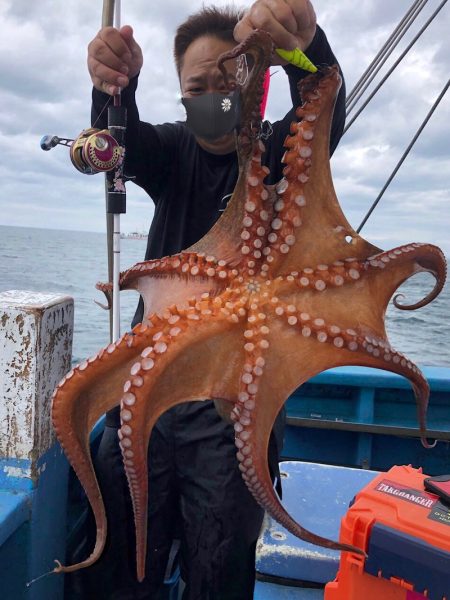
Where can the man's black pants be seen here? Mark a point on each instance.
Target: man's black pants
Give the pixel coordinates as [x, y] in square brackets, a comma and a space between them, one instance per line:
[196, 494]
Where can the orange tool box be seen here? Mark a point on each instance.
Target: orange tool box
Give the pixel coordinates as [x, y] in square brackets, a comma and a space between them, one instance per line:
[405, 531]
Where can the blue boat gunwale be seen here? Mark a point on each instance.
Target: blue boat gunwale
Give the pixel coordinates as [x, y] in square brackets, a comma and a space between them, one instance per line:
[438, 377]
[364, 385]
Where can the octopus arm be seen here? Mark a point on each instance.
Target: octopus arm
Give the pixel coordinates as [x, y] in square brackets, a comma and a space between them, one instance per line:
[386, 271]
[224, 238]
[262, 396]
[315, 344]
[429, 259]
[203, 356]
[183, 265]
[261, 402]
[83, 396]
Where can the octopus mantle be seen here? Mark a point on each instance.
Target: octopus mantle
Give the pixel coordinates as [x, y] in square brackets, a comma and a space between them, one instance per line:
[280, 289]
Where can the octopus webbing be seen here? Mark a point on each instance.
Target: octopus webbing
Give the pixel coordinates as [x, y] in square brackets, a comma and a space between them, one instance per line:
[280, 289]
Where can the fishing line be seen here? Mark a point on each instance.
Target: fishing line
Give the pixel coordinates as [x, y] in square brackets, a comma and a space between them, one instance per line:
[405, 154]
[105, 106]
[266, 130]
[30, 583]
[241, 69]
[385, 52]
[394, 66]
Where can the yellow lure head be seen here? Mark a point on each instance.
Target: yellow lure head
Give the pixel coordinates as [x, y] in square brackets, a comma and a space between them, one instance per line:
[298, 58]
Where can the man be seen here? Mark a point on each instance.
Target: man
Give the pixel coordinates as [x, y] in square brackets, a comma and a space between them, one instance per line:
[196, 491]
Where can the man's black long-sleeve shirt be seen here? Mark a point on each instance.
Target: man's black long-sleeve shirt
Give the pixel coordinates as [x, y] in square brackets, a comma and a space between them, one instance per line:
[190, 186]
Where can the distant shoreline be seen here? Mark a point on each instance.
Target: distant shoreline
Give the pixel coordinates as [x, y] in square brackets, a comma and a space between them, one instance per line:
[133, 235]
[123, 235]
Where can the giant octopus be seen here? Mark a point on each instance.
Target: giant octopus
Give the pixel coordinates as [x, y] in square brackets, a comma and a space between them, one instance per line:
[280, 289]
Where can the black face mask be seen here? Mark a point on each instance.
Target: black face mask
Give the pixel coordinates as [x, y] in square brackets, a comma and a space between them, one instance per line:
[210, 116]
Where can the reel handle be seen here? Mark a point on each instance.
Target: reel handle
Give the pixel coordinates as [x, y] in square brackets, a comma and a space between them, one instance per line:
[50, 141]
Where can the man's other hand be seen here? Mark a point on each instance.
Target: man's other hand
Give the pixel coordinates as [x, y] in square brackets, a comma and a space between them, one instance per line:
[291, 23]
[114, 57]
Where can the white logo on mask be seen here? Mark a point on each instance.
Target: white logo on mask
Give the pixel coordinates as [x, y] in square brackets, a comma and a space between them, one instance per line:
[226, 104]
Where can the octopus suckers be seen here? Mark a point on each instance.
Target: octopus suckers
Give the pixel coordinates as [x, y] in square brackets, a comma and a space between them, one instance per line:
[305, 152]
[277, 224]
[126, 415]
[135, 368]
[253, 287]
[282, 186]
[147, 351]
[147, 364]
[320, 285]
[129, 399]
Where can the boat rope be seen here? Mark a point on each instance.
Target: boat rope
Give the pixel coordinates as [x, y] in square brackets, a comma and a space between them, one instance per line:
[405, 154]
[394, 66]
[385, 52]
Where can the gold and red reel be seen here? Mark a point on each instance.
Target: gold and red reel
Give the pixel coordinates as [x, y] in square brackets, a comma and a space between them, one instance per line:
[95, 151]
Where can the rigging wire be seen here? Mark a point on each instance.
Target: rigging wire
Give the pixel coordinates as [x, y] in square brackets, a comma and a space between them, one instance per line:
[394, 66]
[405, 154]
[373, 69]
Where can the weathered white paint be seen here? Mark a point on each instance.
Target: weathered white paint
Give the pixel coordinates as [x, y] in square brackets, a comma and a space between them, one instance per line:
[35, 353]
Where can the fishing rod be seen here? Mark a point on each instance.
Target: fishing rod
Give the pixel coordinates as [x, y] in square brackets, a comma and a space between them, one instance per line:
[96, 151]
[115, 192]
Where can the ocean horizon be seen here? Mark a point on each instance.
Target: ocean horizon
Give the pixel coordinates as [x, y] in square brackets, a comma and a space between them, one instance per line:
[71, 262]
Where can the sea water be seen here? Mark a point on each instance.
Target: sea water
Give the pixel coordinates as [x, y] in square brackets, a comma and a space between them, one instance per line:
[72, 262]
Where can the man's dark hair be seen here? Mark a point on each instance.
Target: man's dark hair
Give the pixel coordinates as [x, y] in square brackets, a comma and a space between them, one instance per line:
[215, 21]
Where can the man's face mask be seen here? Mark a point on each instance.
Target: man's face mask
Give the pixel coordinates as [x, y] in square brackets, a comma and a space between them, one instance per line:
[212, 115]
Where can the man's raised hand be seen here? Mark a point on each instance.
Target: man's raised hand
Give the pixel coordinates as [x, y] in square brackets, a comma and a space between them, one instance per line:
[114, 57]
[291, 23]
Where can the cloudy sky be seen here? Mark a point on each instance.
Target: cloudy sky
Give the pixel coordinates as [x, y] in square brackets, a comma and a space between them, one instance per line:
[45, 88]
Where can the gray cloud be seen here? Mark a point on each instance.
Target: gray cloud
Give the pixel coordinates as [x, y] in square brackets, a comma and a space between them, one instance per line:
[45, 88]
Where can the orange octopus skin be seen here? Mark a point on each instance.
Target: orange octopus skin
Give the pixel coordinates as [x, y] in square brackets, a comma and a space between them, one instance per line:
[271, 296]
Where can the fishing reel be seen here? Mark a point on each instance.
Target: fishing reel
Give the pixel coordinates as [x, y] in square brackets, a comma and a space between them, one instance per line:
[93, 151]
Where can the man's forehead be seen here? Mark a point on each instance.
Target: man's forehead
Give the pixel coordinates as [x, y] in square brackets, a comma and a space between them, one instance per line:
[202, 54]
[200, 72]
